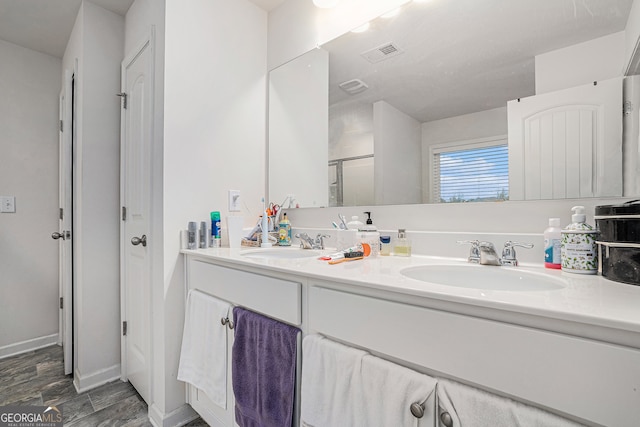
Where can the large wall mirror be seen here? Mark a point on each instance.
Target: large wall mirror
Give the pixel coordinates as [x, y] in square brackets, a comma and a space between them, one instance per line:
[401, 112]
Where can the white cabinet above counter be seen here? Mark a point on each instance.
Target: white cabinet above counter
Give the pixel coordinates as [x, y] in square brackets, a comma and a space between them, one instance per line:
[573, 349]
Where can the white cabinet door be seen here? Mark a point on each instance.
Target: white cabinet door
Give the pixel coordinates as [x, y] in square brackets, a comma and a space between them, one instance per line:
[567, 144]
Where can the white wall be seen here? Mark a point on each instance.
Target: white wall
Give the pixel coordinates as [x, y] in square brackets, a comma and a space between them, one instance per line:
[350, 130]
[298, 129]
[598, 59]
[96, 43]
[214, 140]
[398, 156]
[30, 87]
[351, 135]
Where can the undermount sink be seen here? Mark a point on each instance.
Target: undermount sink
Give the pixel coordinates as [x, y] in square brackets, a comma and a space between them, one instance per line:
[484, 277]
[281, 253]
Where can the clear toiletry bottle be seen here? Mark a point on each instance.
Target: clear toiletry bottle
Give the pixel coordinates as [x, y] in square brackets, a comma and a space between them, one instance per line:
[202, 242]
[192, 229]
[579, 250]
[402, 246]
[552, 244]
[385, 245]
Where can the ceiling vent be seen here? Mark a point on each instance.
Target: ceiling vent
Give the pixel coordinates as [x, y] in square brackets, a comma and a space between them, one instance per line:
[382, 52]
[354, 86]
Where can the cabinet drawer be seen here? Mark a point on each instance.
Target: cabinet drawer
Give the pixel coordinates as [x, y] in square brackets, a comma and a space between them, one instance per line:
[272, 297]
[596, 381]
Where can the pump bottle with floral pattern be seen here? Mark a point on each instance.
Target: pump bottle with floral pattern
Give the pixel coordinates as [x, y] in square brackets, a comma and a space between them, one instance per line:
[578, 247]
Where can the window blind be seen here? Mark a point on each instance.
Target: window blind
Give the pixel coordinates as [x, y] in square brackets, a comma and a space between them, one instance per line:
[472, 174]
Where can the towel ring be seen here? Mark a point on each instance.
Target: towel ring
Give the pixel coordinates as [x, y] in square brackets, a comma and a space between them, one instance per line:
[417, 410]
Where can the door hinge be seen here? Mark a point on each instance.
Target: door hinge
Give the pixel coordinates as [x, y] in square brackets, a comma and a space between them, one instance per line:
[61, 127]
[124, 213]
[627, 108]
[61, 214]
[124, 99]
[61, 303]
[124, 328]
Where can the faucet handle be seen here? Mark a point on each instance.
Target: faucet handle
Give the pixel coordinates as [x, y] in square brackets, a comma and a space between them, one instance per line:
[509, 252]
[320, 240]
[474, 252]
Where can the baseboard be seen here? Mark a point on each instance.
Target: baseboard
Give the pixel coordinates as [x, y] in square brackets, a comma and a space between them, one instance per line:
[84, 383]
[28, 345]
[179, 417]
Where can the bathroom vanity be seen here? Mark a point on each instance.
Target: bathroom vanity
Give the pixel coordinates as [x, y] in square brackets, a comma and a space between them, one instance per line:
[570, 346]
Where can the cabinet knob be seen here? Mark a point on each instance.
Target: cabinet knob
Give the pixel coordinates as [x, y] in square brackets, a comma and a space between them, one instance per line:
[224, 321]
[417, 410]
[446, 419]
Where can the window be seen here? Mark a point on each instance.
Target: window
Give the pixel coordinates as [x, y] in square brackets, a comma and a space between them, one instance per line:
[471, 172]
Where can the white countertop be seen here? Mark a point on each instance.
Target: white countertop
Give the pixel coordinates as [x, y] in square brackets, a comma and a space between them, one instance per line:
[585, 299]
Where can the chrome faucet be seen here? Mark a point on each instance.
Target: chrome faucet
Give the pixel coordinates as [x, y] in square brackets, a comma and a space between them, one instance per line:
[307, 242]
[488, 255]
[484, 253]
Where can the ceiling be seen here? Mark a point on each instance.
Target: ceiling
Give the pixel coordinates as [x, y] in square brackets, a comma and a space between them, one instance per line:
[464, 56]
[45, 25]
[268, 5]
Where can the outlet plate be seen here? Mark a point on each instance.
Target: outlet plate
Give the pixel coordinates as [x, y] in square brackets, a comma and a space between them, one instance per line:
[7, 204]
[234, 200]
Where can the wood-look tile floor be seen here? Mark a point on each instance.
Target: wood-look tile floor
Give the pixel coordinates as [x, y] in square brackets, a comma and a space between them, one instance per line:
[37, 378]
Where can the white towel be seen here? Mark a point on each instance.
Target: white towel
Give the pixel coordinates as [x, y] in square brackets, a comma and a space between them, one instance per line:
[343, 386]
[472, 407]
[203, 358]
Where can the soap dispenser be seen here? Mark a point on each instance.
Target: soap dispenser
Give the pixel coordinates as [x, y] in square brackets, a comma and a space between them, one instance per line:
[578, 246]
[402, 246]
[369, 234]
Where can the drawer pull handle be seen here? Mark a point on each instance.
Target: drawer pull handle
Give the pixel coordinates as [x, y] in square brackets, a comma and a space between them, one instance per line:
[417, 410]
[446, 419]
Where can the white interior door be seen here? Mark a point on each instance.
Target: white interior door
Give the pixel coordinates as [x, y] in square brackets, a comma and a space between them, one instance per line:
[567, 143]
[137, 85]
[64, 234]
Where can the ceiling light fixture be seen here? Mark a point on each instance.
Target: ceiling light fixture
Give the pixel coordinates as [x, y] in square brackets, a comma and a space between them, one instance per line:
[326, 4]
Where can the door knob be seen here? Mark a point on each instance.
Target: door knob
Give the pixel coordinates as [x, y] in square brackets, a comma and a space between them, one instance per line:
[135, 241]
[62, 235]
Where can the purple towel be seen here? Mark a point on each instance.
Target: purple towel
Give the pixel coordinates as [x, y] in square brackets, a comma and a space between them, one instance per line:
[263, 366]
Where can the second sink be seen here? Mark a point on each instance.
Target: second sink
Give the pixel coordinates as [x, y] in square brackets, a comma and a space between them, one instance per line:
[484, 277]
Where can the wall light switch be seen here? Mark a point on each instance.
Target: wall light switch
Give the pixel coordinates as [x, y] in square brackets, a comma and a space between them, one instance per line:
[7, 204]
[234, 200]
